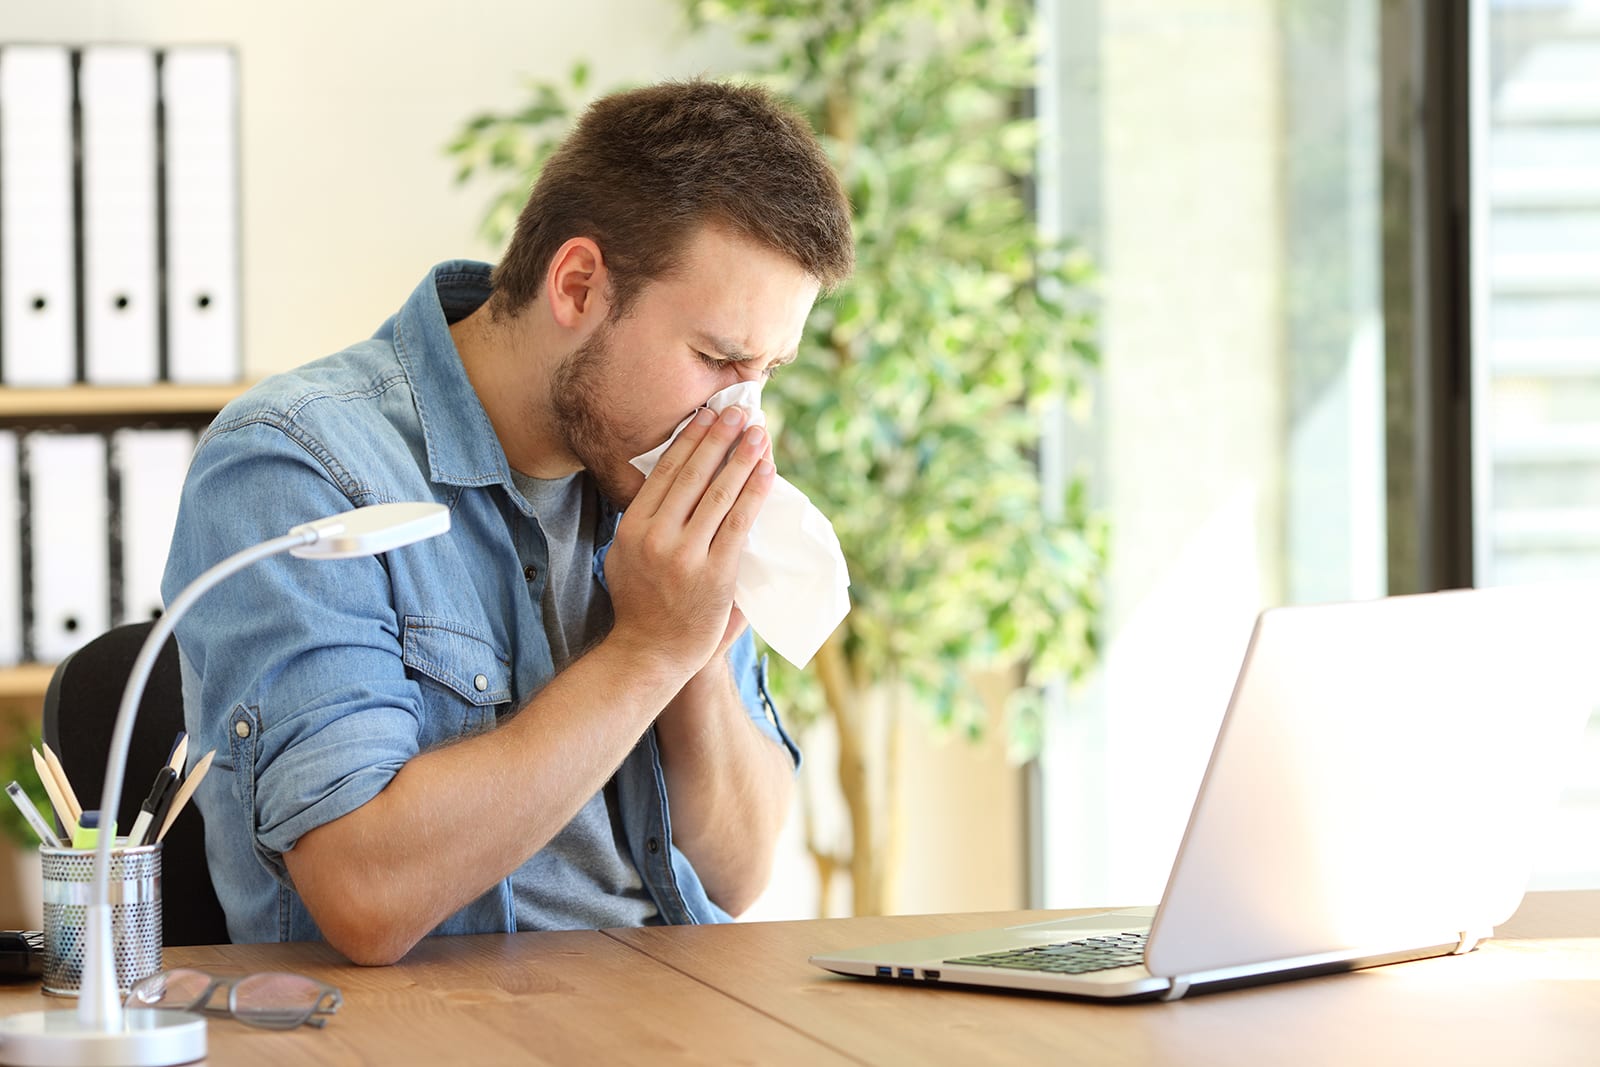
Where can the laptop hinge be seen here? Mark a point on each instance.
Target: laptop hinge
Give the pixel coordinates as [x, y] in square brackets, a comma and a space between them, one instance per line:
[1179, 987]
[1471, 939]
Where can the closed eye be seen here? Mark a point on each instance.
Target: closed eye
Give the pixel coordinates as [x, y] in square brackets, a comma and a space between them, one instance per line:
[717, 363]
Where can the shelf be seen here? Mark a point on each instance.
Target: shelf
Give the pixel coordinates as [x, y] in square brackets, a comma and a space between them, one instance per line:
[106, 401]
[97, 407]
[27, 681]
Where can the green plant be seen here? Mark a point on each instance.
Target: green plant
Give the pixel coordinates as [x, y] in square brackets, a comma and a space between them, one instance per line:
[16, 765]
[913, 416]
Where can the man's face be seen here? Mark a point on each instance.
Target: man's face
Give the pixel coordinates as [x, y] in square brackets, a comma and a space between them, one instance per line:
[734, 311]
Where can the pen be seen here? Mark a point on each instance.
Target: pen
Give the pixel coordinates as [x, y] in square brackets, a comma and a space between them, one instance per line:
[160, 794]
[185, 791]
[31, 813]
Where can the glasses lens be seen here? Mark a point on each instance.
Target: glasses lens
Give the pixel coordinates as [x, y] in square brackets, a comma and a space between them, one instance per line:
[182, 989]
[276, 1001]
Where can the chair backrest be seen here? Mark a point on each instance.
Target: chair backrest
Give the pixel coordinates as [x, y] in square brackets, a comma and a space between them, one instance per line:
[80, 709]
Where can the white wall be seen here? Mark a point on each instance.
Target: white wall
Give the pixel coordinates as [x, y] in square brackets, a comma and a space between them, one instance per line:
[347, 195]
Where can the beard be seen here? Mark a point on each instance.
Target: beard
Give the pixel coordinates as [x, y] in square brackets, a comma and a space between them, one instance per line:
[584, 415]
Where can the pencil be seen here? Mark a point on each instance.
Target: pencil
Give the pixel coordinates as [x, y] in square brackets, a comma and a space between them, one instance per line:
[185, 791]
[66, 786]
[180, 753]
[57, 801]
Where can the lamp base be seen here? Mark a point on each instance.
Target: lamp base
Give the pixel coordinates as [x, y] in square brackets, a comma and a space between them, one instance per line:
[149, 1037]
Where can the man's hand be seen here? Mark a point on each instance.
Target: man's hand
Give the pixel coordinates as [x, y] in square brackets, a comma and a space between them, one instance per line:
[672, 567]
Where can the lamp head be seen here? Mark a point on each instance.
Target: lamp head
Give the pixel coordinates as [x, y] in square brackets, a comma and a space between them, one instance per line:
[371, 530]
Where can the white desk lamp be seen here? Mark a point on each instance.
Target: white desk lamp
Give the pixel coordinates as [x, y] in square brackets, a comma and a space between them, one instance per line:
[101, 1030]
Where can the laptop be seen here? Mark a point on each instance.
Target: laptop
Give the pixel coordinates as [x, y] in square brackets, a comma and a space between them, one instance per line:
[1375, 794]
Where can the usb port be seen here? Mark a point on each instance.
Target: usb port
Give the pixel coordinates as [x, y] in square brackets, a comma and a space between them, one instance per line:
[885, 972]
[930, 976]
[906, 972]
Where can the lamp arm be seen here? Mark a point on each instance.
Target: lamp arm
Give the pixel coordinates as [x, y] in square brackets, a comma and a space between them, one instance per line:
[98, 1003]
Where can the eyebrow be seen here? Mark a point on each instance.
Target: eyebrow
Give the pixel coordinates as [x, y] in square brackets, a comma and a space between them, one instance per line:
[729, 350]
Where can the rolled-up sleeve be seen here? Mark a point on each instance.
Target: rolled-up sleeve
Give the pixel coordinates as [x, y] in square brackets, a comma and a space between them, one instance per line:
[750, 674]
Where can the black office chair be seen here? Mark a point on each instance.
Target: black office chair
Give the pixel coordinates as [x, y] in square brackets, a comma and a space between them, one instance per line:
[80, 708]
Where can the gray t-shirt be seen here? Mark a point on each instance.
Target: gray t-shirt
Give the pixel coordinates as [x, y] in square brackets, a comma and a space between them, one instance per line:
[583, 878]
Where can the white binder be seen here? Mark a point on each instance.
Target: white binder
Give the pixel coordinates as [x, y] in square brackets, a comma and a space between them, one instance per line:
[117, 105]
[150, 466]
[69, 530]
[200, 96]
[10, 553]
[38, 308]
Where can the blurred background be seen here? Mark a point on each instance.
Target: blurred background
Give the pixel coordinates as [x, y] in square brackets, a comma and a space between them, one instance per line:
[1307, 308]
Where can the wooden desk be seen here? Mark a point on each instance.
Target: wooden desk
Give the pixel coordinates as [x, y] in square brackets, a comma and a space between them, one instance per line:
[745, 994]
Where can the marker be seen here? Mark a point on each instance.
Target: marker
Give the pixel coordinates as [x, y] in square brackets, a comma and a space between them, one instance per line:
[160, 794]
[29, 812]
[86, 834]
[185, 791]
[159, 815]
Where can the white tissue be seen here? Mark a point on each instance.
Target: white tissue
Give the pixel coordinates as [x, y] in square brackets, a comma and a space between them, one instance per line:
[793, 585]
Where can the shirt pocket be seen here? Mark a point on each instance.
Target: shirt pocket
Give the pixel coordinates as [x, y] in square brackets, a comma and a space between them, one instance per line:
[473, 673]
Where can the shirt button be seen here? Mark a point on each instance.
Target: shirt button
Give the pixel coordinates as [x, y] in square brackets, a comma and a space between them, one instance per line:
[530, 573]
[480, 683]
[241, 728]
[652, 846]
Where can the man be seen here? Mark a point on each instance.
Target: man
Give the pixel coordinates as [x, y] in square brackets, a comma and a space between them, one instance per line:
[549, 717]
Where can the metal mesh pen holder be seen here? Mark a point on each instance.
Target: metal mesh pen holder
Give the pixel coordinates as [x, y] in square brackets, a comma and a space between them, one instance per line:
[135, 898]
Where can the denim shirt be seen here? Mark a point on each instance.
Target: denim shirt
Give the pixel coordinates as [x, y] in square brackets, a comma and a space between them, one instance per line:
[315, 681]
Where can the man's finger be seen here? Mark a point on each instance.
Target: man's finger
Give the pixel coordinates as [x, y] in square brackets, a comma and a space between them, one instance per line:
[695, 475]
[734, 528]
[719, 496]
[648, 500]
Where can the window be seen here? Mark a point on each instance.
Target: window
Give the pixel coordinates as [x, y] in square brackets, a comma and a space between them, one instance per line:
[1348, 350]
[1534, 126]
[1221, 161]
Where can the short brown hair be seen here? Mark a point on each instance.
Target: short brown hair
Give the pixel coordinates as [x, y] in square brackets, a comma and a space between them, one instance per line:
[643, 170]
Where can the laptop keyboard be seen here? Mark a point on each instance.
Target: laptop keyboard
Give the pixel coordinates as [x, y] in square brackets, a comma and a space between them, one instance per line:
[1068, 957]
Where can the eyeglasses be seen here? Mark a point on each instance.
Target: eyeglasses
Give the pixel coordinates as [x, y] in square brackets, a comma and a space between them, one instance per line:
[273, 1001]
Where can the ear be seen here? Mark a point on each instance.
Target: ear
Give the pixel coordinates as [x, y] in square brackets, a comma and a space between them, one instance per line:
[576, 284]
